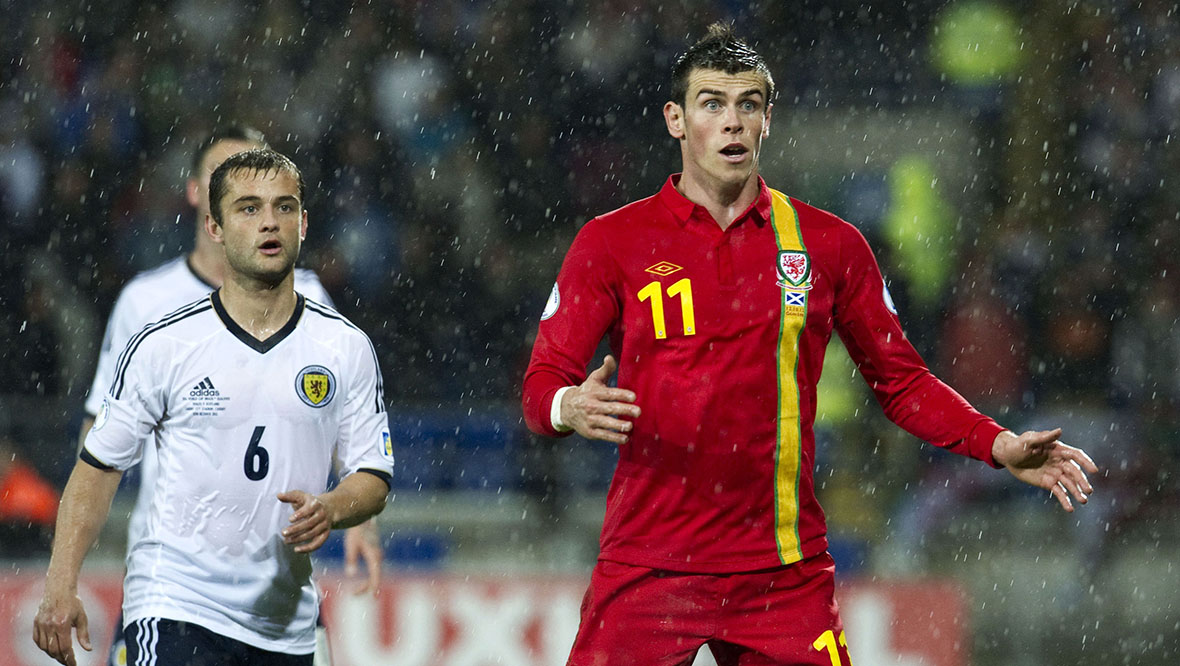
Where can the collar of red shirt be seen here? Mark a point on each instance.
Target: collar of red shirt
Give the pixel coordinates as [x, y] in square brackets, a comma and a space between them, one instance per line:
[683, 209]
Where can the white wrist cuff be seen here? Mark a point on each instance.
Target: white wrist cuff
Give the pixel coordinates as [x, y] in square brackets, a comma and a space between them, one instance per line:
[555, 411]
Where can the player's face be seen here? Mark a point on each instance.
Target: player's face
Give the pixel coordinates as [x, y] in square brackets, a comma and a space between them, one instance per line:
[198, 185]
[263, 224]
[721, 126]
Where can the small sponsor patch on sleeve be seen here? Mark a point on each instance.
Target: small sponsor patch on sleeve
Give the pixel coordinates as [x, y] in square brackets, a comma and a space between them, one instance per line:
[386, 445]
[553, 303]
[104, 415]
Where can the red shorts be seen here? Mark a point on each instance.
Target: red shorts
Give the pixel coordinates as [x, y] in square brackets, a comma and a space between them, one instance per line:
[786, 615]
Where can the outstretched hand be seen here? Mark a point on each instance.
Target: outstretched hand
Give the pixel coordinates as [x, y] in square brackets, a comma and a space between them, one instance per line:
[593, 409]
[1038, 458]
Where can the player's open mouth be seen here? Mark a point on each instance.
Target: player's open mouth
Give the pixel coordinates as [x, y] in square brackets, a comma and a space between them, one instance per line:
[270, 247]
[734, 152]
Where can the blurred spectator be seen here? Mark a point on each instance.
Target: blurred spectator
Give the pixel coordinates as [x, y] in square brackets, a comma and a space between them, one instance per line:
[1146, 347]
[983, 349]
[28, 505]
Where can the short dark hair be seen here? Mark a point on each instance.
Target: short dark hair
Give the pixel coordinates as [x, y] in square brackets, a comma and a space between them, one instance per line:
[226, 133]
[259, 160]
[720, 49]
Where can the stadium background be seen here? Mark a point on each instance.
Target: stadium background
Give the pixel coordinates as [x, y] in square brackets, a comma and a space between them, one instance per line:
[1013, 165]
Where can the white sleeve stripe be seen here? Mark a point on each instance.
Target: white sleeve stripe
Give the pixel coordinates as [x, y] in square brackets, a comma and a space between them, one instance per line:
[133, 345]
[325, 312]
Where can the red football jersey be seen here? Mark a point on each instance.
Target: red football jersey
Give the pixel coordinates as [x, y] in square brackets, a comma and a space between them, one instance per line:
[721, 335]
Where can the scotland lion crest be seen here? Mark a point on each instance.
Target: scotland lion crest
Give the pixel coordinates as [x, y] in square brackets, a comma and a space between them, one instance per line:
[315, 385]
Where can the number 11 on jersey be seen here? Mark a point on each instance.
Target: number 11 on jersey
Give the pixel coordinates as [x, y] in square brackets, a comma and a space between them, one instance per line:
[651, 291]
[827, 642]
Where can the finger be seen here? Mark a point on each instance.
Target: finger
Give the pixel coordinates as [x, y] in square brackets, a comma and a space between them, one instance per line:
[600, 425]
[311, 508]
[60, 643]
[312, 544]
[610, 393]
[302, 531]
[603, 374]
[61, 650]
[1042, 437]
[309, 542]
[619, 408]
[298, 530]
[1074, 488]
[83, 625]
[1062, 497]
[1080, 457]
[1075, 473]
[606, 435]
[291, 497]
[609, 423]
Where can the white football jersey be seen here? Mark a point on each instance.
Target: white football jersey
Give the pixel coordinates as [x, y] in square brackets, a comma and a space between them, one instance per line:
[145, 298]
[234, 421]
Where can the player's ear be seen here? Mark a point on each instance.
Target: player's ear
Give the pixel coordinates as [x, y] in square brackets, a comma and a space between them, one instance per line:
[303, 227]
[192, 192]
[213, 228]
[674, 119]
[766, 122]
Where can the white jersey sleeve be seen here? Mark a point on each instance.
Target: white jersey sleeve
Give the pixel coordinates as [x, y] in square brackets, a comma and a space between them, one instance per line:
[364, 442]
[133, 405]
[124, 322]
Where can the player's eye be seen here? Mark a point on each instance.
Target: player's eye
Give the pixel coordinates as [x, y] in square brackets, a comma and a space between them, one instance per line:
[712, 105]
[749, 106]
[250, 209]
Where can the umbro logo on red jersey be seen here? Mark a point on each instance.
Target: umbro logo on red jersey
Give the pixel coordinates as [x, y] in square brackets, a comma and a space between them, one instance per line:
[663, 269]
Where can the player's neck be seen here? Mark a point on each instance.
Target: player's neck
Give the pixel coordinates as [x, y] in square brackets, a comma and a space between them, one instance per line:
[260, 309]
[724, 201]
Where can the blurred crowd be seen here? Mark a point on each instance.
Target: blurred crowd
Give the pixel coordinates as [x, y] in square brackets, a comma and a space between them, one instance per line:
[452, 149]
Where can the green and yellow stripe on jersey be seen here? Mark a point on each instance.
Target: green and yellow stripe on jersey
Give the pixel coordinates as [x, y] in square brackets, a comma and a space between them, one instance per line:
[788, 454]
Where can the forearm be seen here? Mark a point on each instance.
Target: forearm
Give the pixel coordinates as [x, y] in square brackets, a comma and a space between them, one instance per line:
[920, 403]
[85, 504]
[355, 499]
[87, 424]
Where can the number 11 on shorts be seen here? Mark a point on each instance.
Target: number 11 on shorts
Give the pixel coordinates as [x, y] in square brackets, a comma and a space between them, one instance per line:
[827, 641]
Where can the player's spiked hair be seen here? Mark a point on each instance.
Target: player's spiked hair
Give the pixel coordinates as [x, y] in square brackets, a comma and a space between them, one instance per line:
[235, 132]
[720, 49]
[259, 160]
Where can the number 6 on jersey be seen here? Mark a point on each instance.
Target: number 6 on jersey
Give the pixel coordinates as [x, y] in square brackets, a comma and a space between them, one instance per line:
[257, 461]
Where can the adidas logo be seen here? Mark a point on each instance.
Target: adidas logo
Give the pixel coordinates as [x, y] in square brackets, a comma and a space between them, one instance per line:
[204, 390]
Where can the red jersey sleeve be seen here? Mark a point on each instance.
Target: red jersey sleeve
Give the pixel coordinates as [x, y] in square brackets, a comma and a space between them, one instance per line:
[582, 307]
[910, 394]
